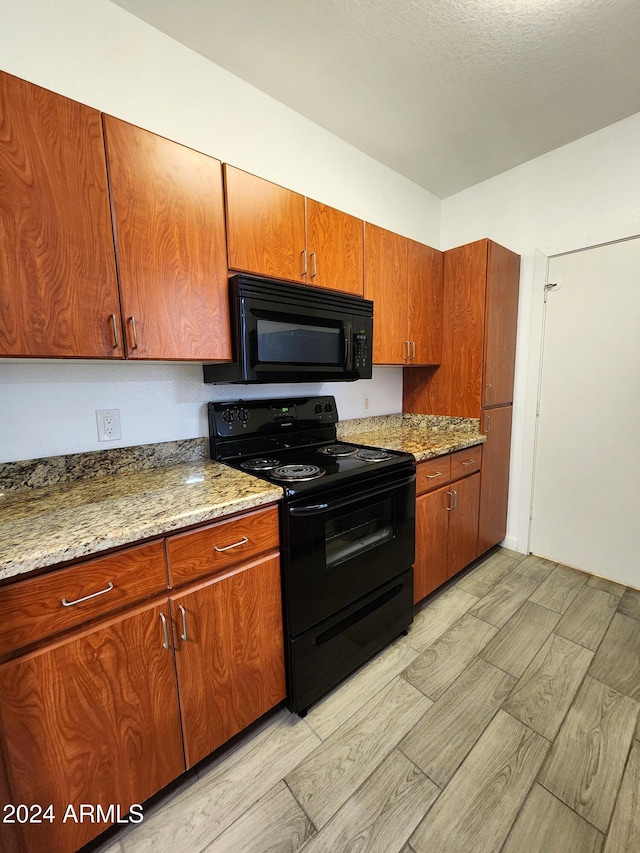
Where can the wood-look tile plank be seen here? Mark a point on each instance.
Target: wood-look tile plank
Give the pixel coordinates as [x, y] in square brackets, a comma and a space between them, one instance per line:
[440, 664]
[440, 741]
[329, 714]
[382, 813]
[275, 822]
[617, 661]
[535, 567]
[233, 783]
[545, 691]
[586, 762]
[545, 825]
[502, 601]
[478, 806]
[559, 589]
[488, 573]
[587, 617]
[324, 780]
[624, 831]
[630, 603]
[438, 614]
[514, 555]
[519, 641]
[605, 585]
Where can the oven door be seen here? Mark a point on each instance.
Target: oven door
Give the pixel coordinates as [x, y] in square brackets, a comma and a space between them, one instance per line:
[342, 545]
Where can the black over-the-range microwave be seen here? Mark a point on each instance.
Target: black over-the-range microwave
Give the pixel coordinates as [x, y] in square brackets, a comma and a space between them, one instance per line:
[295, 333]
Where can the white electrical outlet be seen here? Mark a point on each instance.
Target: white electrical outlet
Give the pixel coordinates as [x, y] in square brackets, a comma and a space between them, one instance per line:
[108, 424]
[366, 403]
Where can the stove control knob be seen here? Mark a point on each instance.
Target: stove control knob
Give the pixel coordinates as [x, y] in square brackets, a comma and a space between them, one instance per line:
[243, 414]
[318, 408]
[328, 407]
[228, 416]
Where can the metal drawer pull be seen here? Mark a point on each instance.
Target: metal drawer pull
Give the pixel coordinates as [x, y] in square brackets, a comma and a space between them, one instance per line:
[450, 507]
[315, 265]
[304, 262]
[469, 462]
[183, 636]
[407, 347]
[455, 499]
[243, 541]
[66, 603]
[487, 423]
[163, 619]
[116, 339]
[433, 476]
[413, 349]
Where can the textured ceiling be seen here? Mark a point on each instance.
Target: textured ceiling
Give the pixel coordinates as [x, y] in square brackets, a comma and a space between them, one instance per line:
[446, 92]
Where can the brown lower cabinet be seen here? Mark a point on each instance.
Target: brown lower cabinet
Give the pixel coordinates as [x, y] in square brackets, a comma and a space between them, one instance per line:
[494, 486]
[90, 720]
[106, 716]
[229, 654]
[446, 533]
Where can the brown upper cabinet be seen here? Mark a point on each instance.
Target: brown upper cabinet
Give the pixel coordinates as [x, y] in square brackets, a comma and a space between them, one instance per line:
[168, 221]
[404, 279]
[275, 232]
[58, 287]
[478, 349]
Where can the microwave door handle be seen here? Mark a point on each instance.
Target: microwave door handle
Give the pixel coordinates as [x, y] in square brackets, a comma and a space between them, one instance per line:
[347, 348]
[317, 509]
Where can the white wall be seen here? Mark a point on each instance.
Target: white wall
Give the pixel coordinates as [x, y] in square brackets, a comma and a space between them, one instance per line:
[96, 53]
[580, 195]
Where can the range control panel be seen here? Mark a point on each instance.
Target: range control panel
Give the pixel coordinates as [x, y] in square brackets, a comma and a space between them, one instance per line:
[259, 417]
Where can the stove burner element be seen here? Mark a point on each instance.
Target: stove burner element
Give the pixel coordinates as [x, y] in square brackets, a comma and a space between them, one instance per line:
[261, 464]
[338, 450]
[368, 455]
[295, 473]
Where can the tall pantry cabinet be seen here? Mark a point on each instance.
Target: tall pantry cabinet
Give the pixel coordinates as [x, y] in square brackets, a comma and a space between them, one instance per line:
[475, 378]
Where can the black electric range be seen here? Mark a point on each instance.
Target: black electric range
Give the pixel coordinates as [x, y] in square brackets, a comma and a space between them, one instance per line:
[347, 532]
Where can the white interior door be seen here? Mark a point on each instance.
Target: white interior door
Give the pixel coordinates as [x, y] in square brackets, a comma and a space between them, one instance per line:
[586, 497]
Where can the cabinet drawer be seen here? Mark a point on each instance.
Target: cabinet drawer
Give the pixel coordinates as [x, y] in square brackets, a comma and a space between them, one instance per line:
[209, 549]
[433, 473]
[37, 608]
[465, 462]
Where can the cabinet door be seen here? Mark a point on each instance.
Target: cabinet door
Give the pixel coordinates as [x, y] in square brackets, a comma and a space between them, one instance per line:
[265, 227]
[425, 289]
[230, 654]
[385, 281]
[432, 524]
[58, 288]
[168, 218]
[494, 482]
[503, 276]
[335, 244]
[463, 523]
[93, 719]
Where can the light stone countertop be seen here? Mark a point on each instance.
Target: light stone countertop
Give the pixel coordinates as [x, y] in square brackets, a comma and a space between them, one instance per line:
[425, 436]
[44, 526]
[50, 513]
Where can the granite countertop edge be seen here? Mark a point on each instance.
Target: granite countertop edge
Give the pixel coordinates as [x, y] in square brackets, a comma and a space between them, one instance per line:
[46, 526]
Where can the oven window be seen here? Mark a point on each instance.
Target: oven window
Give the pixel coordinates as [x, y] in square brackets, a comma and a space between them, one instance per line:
[356, 532]
[298, 343]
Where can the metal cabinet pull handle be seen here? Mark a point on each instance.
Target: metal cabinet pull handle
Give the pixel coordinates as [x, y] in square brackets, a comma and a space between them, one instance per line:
[413, 349]
[487, 423]
[165, 631]
[314, 266]
[469, 462]
[243, 541]
[450, 507]
[134, 329]
[183, 636]
[66, 603]
[304, 262]
[433, 476]
[116, 339]
[489, 390]
[406, 350]
[455, 499]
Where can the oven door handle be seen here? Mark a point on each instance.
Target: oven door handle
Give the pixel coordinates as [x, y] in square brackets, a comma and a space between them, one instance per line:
[316, 509]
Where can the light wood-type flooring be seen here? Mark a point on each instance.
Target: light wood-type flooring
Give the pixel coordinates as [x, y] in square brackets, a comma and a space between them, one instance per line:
[507, 720]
